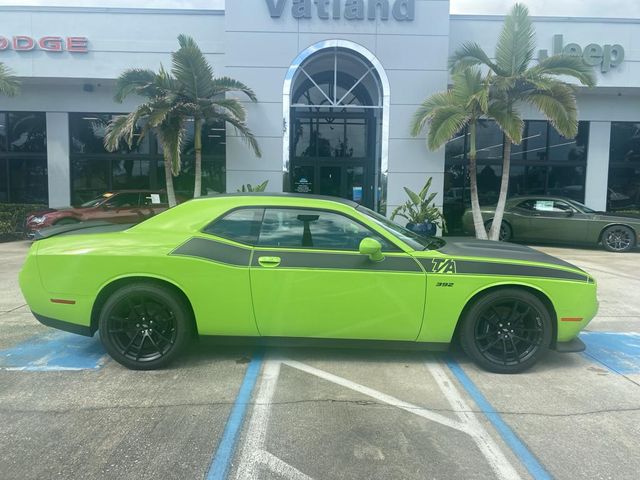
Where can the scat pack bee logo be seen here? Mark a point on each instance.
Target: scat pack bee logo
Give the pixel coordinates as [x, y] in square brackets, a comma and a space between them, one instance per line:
[443, 265]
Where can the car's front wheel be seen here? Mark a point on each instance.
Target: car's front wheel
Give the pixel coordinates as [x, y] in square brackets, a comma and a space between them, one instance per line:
[506, 330]
[144, 326]
[618, 238]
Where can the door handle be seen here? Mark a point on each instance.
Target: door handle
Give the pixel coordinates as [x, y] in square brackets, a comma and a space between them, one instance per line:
[269, 262]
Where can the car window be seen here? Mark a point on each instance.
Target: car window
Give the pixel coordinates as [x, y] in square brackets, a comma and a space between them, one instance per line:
[303, 228]
[123, 200]
[546, 206]
[151, 199]
[240, 225]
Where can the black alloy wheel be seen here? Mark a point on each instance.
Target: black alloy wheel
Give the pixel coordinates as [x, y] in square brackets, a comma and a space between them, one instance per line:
[506, 331]
[618, 238]
[144, 326]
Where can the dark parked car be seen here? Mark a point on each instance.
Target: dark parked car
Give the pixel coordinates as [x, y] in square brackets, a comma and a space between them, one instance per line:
[125, 206]
[560, 220]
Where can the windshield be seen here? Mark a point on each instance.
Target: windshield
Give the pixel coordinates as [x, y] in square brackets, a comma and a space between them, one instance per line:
[581, 206]
[97, 201]
[415, 241]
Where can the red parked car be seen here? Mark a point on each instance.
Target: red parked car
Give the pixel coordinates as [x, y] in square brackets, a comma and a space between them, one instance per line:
[124, 206]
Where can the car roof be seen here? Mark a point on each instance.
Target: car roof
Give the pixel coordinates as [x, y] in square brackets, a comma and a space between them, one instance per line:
[307, 196]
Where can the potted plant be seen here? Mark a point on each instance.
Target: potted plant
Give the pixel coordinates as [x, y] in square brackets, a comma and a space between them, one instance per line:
[421, 213]
[251, 188]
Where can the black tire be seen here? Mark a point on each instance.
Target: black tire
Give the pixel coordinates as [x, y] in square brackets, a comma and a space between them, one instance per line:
[144, 326]
[618, 238]
[66, 221]
[505, 231]
[506, 331]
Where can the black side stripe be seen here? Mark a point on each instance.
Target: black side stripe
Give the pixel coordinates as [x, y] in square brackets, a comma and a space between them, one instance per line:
[216, 251]
[339, 261]
[472, 267]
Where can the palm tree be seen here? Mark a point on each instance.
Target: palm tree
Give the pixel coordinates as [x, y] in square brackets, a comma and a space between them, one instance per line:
[9, 85]
[159, 113]
[188, 92]
[514, 82]
[448, 113]
[203, 97]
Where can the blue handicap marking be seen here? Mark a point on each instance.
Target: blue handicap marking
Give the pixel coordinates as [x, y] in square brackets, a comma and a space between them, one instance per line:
[54, 351]
[620, 352]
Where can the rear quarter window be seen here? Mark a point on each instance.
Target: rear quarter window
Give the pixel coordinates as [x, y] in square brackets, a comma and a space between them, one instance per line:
[241, 225]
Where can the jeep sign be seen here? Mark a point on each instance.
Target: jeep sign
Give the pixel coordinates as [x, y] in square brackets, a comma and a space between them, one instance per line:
[606, 56]
[401, 10]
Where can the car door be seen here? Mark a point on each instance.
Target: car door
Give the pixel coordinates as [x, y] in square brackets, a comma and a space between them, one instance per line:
[555, 221]
[152, 203]
[122, 208]
[309, 280]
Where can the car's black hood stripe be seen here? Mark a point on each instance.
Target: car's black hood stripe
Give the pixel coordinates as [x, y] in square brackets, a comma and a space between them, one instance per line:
[216, 251]
[339, 261]
[474, 267]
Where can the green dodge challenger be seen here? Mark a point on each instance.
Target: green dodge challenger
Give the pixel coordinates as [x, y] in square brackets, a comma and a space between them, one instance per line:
[291, 266]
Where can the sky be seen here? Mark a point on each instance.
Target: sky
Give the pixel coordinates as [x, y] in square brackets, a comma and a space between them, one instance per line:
[580, 8]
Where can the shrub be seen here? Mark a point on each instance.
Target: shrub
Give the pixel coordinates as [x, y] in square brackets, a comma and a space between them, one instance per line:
[12, 218]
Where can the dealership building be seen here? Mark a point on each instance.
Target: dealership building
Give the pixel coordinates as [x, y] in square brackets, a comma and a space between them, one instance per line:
[337, 82]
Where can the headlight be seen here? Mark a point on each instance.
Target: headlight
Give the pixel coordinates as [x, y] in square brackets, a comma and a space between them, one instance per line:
[39, 219]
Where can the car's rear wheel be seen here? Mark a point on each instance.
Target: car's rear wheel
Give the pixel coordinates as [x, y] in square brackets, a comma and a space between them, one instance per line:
[505, 233]
[506, 331]
[618, 238]
[144, 326]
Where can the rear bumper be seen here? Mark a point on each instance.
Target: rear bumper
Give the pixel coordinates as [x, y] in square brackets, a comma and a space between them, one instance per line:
[62, 325]
[572, 346]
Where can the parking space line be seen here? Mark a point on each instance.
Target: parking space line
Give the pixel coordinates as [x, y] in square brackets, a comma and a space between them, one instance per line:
[619, 352]
[220, 464]
[254, 454]
[528, 459]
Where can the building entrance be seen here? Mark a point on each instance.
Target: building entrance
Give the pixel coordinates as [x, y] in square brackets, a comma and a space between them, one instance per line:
[336, 112]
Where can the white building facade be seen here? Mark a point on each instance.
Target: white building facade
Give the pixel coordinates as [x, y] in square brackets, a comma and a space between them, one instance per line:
[337, 82]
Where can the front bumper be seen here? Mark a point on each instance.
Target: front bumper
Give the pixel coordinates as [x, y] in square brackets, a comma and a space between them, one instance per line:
[62, 325]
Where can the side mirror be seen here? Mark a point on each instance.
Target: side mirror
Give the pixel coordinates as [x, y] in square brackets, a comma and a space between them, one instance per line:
[569, 213]
[373, 248]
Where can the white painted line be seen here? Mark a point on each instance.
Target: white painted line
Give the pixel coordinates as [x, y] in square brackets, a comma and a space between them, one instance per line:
[487, 445]
[254, 456]
[382, 397]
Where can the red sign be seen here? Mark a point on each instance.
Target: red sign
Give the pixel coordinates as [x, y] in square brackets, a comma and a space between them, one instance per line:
[24, 43]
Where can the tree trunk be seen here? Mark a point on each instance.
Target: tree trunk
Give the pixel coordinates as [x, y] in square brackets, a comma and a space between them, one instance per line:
[478, 222]
[168, 173]
[197, 144]
[494, 233]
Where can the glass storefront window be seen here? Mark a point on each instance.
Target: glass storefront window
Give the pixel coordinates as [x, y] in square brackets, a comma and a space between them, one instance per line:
[95, 171]
[545, 163]
[23, 157]
[88, 130]
[623, 193]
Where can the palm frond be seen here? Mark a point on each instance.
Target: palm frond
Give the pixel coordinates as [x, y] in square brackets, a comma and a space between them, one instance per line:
[508, 119]
[564, 65]
[516, 45]
[559, 106]
[446, 123]
[191, 69]
[230, 105]
[9, 85]
[171, 135]
[470, 54]
[427, 109]
[222, 85]
[137, 81]
[245, 132]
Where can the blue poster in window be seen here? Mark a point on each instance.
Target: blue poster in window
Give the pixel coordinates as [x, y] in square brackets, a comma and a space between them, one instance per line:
[357, 194]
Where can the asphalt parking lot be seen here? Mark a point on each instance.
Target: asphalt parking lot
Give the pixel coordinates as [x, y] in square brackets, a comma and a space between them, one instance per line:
[67, 411]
